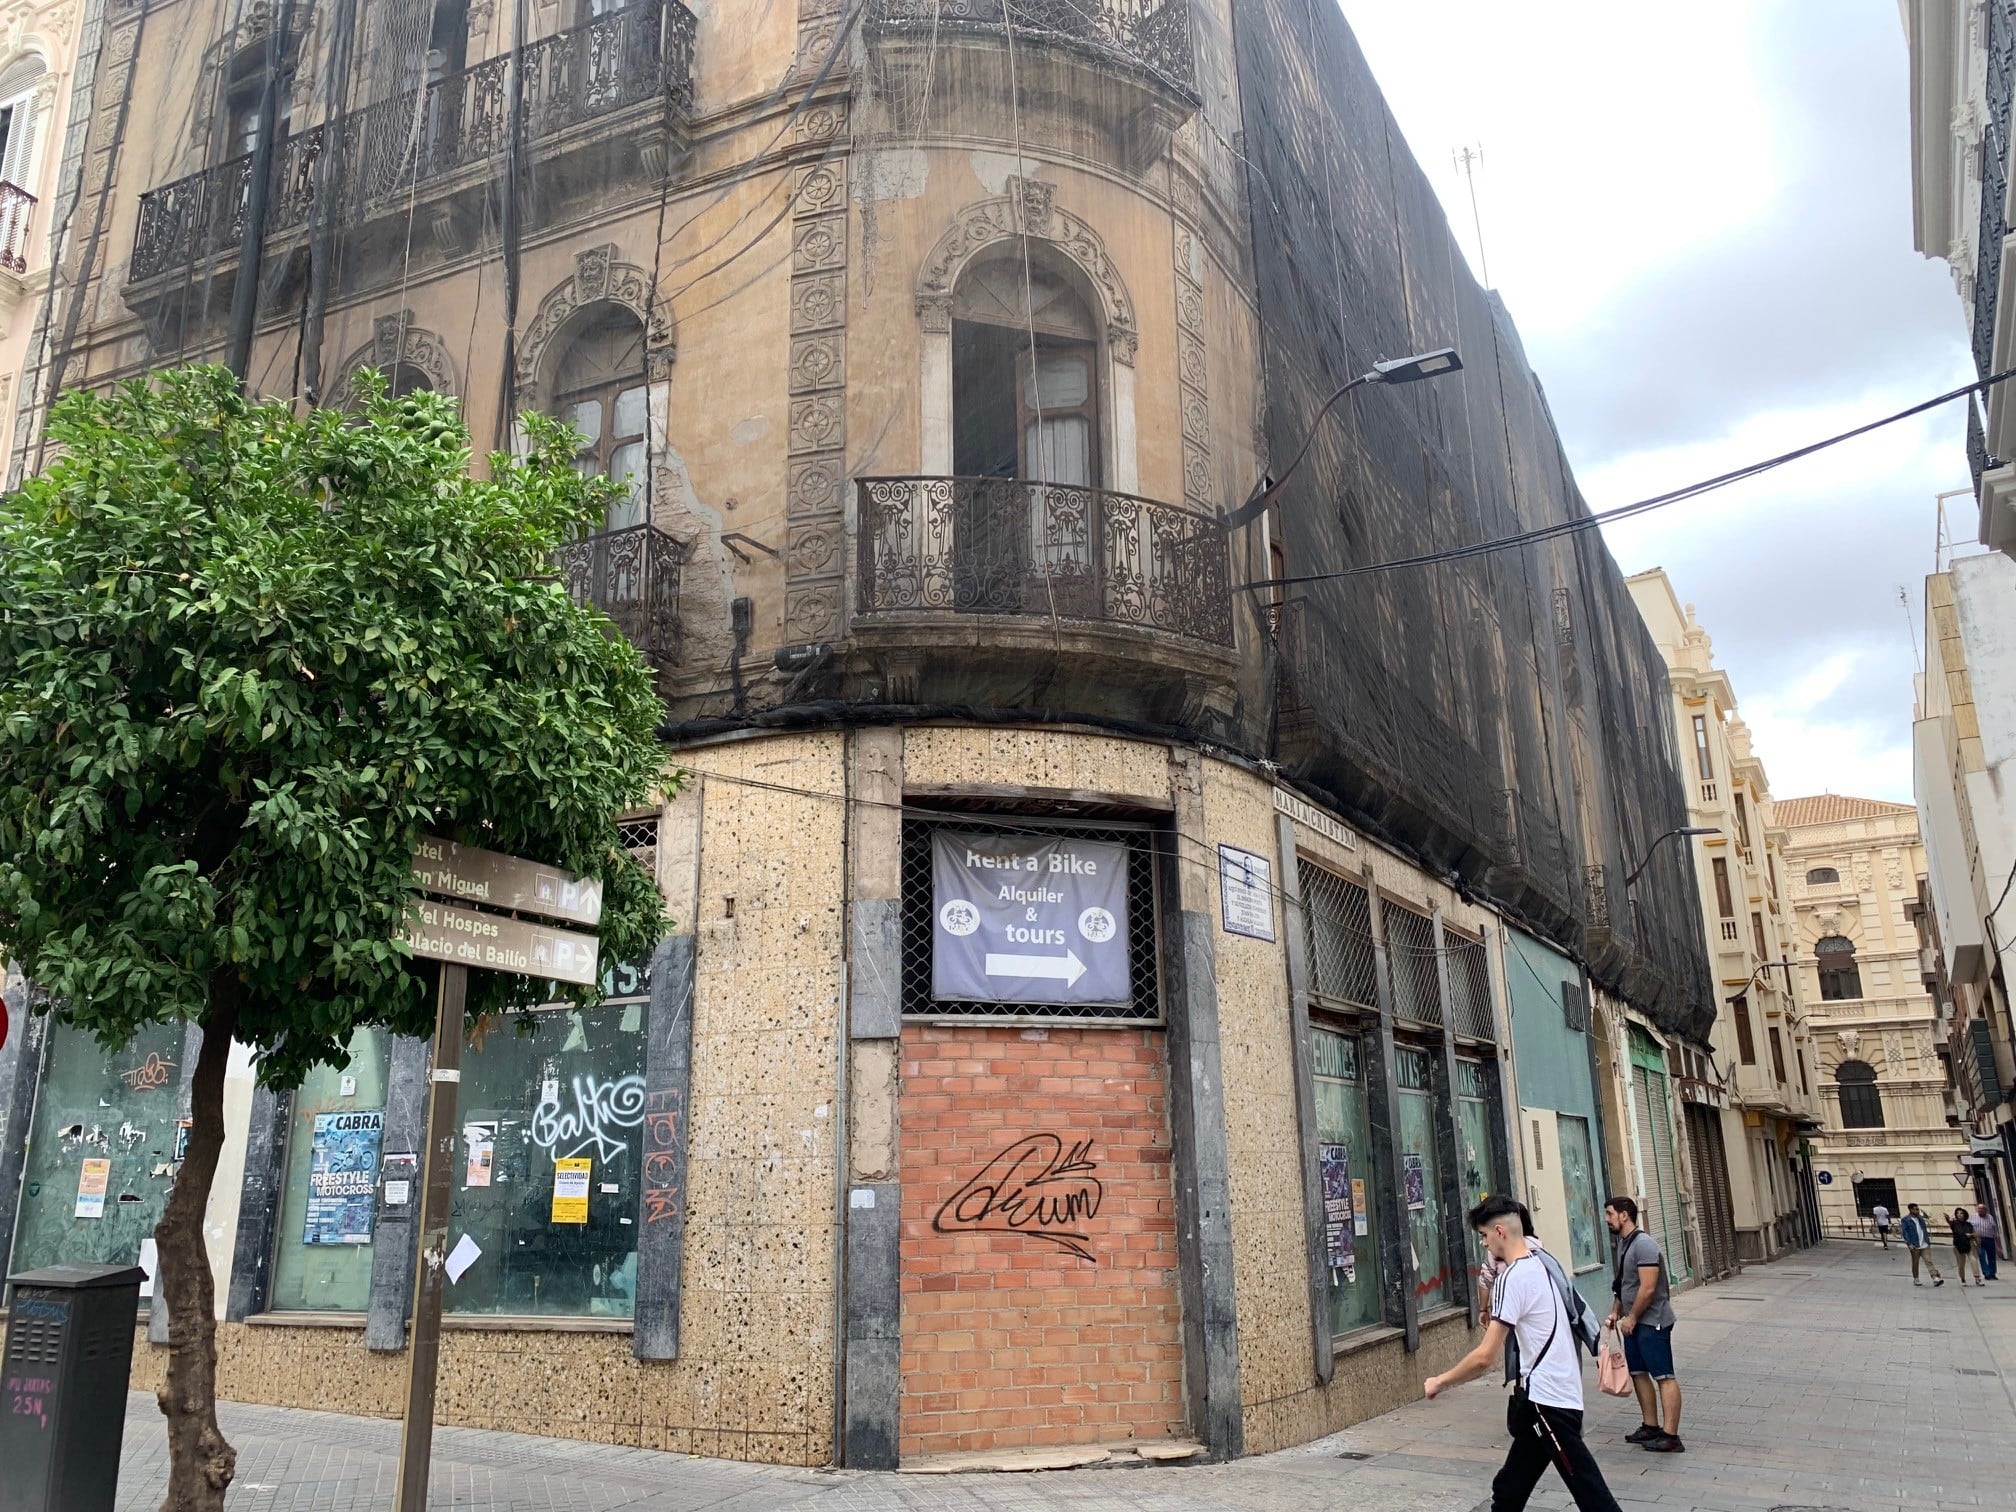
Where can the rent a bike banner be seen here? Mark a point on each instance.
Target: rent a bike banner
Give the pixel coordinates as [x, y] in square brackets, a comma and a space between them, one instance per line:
[1024, 919]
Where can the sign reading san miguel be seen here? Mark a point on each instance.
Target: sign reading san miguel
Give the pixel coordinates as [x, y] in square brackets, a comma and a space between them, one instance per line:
[1019, 919]
[464, 872]
[492, 942]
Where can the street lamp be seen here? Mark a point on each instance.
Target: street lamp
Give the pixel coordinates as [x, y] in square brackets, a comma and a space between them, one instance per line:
[1692, 829]
[1400, 370]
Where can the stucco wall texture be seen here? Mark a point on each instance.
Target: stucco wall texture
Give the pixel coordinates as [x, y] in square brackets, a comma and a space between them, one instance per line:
[1039, 1240]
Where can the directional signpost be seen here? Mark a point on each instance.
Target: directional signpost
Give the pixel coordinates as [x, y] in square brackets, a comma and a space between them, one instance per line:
[461, 937]
[1023, 919]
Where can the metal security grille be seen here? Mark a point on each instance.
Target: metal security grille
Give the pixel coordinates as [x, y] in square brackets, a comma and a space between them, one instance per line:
[1337, 920]
[640, 838]
[1718, 1213]
[1410, 947]
[1143, 958]
[1470, 987]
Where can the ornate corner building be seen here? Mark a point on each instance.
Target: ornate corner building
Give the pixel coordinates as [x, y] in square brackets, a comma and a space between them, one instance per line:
[935, 346]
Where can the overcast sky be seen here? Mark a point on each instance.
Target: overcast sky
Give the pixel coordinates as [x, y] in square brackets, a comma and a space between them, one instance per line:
[1700, 217]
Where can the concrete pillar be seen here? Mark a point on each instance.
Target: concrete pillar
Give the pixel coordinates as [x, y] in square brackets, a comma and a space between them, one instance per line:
[1197, 1122]
[259, 1205]
[871, 1378]
[1382, 1090]
[392, 1235]
[20, 1077]
[1302, 1044]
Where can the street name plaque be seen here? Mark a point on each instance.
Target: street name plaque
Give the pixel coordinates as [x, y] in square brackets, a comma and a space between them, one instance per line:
[474, 875]
[492, 942]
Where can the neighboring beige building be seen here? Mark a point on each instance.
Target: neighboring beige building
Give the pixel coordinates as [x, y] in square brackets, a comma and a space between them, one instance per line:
[1854, 865]
[1764, 1100]
[1966, 791]
[38, 56]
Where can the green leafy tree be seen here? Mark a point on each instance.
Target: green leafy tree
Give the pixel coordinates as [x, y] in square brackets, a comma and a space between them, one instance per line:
[246, 660]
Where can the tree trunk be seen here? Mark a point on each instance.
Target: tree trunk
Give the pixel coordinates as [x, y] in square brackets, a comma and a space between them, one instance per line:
[200, 1463]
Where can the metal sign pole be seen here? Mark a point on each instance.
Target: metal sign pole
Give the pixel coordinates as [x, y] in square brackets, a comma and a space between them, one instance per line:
[416, 1434]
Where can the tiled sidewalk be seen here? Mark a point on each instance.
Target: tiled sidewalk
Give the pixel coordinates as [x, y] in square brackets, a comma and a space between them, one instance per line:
[1822, 1382]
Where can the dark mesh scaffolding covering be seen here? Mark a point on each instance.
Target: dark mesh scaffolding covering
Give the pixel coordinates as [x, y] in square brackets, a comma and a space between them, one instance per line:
[757, 187]
[1506, 715]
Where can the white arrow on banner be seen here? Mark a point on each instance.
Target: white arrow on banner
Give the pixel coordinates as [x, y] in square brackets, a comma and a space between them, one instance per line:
[1067, 967]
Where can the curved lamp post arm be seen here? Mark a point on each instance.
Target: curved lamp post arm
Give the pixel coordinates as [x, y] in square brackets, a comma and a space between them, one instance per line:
[1653, 849]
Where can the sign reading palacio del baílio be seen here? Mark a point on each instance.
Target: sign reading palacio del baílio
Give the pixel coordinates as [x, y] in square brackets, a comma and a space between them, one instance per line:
[1023, 919]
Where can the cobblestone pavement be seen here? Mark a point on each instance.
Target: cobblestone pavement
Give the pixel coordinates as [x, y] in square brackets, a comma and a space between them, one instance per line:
[1824, 1381]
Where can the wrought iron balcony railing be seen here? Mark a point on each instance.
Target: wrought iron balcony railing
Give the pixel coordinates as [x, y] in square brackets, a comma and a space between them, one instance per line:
[639, 53]
[17, 211]
[1005, 546]
[631, 575]
[1154, 34]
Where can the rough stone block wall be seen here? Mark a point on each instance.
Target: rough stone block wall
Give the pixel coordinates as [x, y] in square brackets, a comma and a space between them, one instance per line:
[1010, 1339]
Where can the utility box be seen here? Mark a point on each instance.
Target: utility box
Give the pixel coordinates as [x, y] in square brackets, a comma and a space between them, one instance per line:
[63, 1386]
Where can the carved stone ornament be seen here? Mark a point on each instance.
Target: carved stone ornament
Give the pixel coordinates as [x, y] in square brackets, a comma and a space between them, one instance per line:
[598, 279]
[1028, 209]
[395, 340]
[1851, 1043]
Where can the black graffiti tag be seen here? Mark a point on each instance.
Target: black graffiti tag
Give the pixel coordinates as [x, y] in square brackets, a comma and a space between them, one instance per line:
[1039, 1187]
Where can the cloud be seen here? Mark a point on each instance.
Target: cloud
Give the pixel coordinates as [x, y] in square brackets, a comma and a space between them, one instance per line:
[1711, 262]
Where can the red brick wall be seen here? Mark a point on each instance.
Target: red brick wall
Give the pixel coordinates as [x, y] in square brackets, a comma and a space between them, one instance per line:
[1012, 1340]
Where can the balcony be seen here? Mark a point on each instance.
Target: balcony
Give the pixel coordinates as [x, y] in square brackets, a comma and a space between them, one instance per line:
[591, 89]
[971, 566]
[17, 215]
[1110, 78]
[631, 575]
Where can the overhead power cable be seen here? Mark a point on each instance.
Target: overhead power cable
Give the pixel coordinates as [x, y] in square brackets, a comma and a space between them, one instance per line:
[1641, 506]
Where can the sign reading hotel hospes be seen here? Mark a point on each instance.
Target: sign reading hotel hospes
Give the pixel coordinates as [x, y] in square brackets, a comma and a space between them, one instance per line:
[1019, 919]
[492, 942]
[471, 875]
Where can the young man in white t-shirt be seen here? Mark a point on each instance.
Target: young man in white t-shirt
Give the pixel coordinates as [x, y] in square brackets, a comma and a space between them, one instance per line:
[1545, 1414]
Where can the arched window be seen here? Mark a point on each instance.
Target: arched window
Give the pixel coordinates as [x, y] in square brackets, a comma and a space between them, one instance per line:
[599, 389]
[1820, 875]
[1861, 1100]
[1025, 371]
[1840, 978]
[408, 378]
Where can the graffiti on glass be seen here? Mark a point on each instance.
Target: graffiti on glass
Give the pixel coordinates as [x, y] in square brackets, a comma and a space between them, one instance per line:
[150, 1075]
[601, 1111]
[1038, 1187]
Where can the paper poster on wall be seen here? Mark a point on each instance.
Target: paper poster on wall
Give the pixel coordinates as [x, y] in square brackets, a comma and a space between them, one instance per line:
[343, 1178]
[570, 1189]
[1334, 1160]
[465, 1254]
[481, 1139]
[1361, 1220]
[1414, 1181]
[92, 1181]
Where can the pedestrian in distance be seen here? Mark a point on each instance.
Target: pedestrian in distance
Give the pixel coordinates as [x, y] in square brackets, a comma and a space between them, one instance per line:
[1881, 1217]
[1963, 1243]
[1918, 1240]
[1987, 1240]
[1544, 1415]
[1643, 1313]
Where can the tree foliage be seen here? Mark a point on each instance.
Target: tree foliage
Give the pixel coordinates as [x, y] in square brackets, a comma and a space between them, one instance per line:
[246, 659]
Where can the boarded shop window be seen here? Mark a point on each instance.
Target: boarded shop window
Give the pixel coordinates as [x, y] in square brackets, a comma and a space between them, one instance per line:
[102, 1148]
[546, 1171]
[1337, 916]
[322, 1262]
[1421, 1176]
[1344, 1158]
[1578, 1181]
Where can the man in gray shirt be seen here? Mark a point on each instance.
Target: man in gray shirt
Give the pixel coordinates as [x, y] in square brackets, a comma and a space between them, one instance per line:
[1643, 1313]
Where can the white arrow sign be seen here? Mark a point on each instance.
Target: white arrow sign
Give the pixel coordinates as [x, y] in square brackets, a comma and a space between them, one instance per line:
[1067, 967]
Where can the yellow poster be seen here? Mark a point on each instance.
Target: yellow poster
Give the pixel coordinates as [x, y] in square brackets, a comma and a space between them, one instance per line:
[92, 1181]
[570, 1189]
